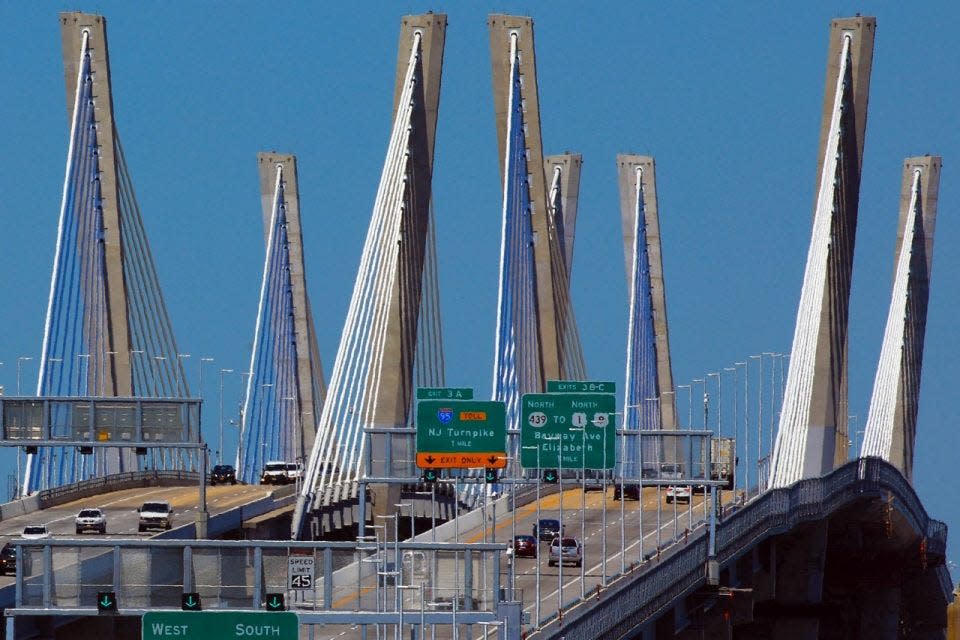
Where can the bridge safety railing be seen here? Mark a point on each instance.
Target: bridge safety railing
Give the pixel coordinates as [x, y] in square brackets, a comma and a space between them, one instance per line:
[67, 575]
[633, 599]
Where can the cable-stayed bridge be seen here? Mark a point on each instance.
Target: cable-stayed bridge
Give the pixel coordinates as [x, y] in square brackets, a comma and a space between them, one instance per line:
[793, 555]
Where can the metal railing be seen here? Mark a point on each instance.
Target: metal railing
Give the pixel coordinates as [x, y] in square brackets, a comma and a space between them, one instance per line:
[632, 602]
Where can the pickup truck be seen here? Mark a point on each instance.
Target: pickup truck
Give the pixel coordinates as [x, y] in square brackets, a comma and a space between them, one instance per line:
[155, 515]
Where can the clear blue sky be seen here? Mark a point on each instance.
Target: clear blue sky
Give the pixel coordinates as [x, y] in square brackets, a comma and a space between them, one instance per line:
[727, 97]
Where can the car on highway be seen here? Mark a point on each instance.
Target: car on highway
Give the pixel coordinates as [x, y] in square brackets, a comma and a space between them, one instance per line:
[678, 493]
[35, 532]
[8, 560]
[222, 474]
[627, 490]
[525, 547]
[565, 550]
[546, 529]
[279, 472]
[91, 520]
[155, 515]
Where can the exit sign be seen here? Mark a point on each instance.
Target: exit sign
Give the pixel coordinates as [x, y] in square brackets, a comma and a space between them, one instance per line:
[444, 393]
[220, 625]
[580, 386]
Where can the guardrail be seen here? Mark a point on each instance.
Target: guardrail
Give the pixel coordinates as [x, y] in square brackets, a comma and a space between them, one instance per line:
[96, 486]
[633, 599]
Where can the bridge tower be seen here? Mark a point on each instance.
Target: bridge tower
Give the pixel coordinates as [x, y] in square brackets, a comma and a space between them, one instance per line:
[812, 434]
[649, 401]
[285, 389]
[107, 332]
[536, 338]
[892, 420]
[391, 341]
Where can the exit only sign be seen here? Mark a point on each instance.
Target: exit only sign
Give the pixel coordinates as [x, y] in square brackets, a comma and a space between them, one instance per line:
[219, 625]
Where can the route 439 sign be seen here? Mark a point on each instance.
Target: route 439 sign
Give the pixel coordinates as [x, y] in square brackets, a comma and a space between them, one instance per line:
[300, 572]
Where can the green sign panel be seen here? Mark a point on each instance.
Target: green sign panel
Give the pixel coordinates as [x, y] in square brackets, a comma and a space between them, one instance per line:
[461, 434]
[444, 393]
[551, 423]
[219, 625]
[580, 386]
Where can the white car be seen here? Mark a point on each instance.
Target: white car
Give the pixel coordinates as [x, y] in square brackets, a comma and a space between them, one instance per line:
[678, 494]
[280, 472]
[35, 532]
[566, 550]
[91, 520]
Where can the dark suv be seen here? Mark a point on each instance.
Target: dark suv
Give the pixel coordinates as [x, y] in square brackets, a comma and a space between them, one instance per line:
[629, 490]
[546, 529]
[8, 560]
[223, 473]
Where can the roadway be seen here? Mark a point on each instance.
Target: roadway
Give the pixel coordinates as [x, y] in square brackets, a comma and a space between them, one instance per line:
[120, 508]
[557, 584]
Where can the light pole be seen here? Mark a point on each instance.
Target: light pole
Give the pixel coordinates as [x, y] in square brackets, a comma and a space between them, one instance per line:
[558, 438]
[409, 505]
[490, 623]
[158, 390]
[20, 362]
[202, 362]
[421, 632]
[83, 382]
[719, 402]
[704, 383]
[536, 613]
[180, 358]
[759, 416]
[133, 370]
[103, 376]
[220, 443]
[583, 506]
[773, 395]
[736, 425]
[689, 389]
[856, 435]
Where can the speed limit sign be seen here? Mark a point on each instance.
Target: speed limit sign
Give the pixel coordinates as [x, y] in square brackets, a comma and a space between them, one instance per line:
[300, 575]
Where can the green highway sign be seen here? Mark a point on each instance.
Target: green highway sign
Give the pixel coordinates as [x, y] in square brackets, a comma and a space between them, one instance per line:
[580, 386]
[220, 625]
[444, 393]
[551, 423]
[461, 434]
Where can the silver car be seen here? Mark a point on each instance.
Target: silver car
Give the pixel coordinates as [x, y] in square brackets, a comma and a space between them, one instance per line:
[566, 550]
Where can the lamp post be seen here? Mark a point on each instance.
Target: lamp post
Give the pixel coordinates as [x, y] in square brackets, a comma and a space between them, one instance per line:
[489, 623]
[759, 416]
[704, 383]
[158, 390]
[20, 361]
[133, 370]
[421, 632]
[263, 449]
[409, 505]
[202, 362]
[773, 393]
[719, 402]
[736, 425]
[220, 442]
[583, 506]
[83, 383]
[103, 376]
[536, 613]
[558, 438]
[180, 358]
[689, 389]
